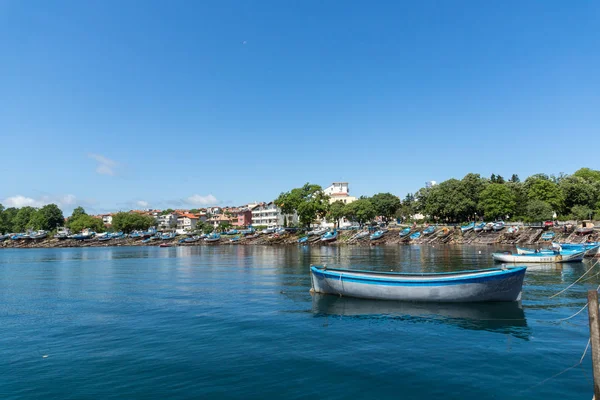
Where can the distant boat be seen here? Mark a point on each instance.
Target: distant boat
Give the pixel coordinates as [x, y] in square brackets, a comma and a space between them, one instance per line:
[165, 245]
[498, 225]
[4, 237]
[538, 257]
[41, 234]
[191, 239]
[415, 235]
[513, 229]
[232, 232]
[444, 232]
[585, 229]
[361, 235]
[249, 231]
[168, 236]
[105, 238]
[213, 237]
[303, 240]
[377, 235]
[234, 239]
[429, 230]
[330, 236]
[83, 235]
[479, 227]
[548, 235]
[117, 235]
[318, 232]
[62, 233]
[488, 227]
[591, 248]
[468, 227]
[147, 240]
[405, 232]
[494, 284]
[19, 236]
[135, 235]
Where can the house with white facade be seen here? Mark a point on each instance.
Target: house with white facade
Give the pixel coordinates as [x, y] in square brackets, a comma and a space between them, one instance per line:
[186, 223]
[339, 191]
[271, 216]
[166, 221]
[107, 219]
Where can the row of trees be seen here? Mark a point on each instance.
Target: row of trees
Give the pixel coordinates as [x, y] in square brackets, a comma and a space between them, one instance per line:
[473, 197]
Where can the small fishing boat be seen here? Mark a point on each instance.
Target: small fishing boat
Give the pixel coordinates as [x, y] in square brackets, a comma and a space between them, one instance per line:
[585, 229]
[444, 232]
[303, 240]
[19, 236]
[318, 232]
[104, 238]
[191, 239]
[524, 250]
[498, 225]
[4, 237]
[268, 231]
[548, 235]
[539, 257]
[249, 231]
[591, 248]
[468, 227]
[360, 235]
[479, 227]
[429, 230]
[165, 245]
[135, 235]
[168, 236]
[494, 284]
[513, 230]
[148, 233]
[488, 227]
[231, 232]
[405, 232]
[330, 236]
[377, 235]
[117, 235]
[41, 234]
[234, 239]
[415, 235]
[62, 233]
[213, 237]
[83, 235]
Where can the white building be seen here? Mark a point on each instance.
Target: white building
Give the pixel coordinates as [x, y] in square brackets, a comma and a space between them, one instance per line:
[339, 191]
[186, 223]
[107, 219]
[167, 221]
[270, 215]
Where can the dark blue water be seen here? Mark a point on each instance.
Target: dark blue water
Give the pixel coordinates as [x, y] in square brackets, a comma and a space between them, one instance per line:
[238, 322]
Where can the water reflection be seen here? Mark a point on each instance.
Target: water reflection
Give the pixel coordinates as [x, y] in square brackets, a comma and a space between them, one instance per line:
[501, 317]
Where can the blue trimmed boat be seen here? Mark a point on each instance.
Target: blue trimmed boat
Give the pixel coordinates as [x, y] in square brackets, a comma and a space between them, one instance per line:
[548, 235]
[84, 235]
[539, 257]
[498, 225]
[429, 230]
[377, 235]
[303, 240]
[190, 239]
[468, 227]
[249, 231]
[479, 227]
[330, 236]
[213, 237]
[415, 235]
[405, 232]
[234, 239]
[168, 236]
[117, 235]
[231, 232]
[591, 248]
[41, 234]
[4, 237]
[494, 284]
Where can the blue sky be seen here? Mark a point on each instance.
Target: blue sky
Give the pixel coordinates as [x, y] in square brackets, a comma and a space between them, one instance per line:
[121, 104]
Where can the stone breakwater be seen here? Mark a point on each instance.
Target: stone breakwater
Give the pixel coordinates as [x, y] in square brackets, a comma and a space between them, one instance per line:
[450, 235]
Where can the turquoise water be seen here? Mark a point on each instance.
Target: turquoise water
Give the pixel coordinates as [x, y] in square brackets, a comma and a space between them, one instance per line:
[238, 322]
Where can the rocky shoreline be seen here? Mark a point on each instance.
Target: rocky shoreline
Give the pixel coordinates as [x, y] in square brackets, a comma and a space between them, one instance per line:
[525, 236]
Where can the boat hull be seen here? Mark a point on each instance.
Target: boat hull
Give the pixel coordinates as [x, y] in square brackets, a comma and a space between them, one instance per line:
[488, 285]
[538, 258]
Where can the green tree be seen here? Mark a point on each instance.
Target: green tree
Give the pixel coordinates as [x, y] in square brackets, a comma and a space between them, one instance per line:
[472, 186]
[408, 207]
[581, 212]
[497, 200]
[22, 220]
[130, 221]
[497, 179]
[167, 211]
[78, 212]
[515, 178]
[386, 205]
[538, 211]
[590, 175]
[48, 218]
[336, 212]
[361, 211]
[309, 202]
[84, 221]
[578, 191]
[224, 226]
[520, 195]
[449, 201]
[540, 187]
[7, 217]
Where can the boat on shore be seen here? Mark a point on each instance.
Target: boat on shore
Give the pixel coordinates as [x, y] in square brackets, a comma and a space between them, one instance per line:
[213, 237]
[479, 227]
[539, 257]
[415, 235]
[83, 235]
[429, 230]
[330, 236]
[488, 227]
[234, 239]
[548, 235]
[168, 236]
[498, 226]
[377, 235]
[468, 227]
[62, 233]
[4, 237]
[494, 284]
[513, 230]
[303, 240]
[405, 232]
[41, 234]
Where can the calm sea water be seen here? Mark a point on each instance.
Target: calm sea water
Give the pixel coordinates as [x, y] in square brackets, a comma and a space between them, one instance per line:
[238, 322]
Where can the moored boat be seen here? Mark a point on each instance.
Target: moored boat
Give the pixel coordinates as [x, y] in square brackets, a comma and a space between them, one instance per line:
[468, 227]
[488, 227]
[591, 248]
[539, 257]
[495, 284]
[429, 230]
[62, 233]
[479, 227]
[548, 235]
[191, 239]
[231, 232]
[377, 235]
[498, 225]
[234, 239]
[415, 235]
[405, 232]
[330, 236]
[165, 245]
[213, 237]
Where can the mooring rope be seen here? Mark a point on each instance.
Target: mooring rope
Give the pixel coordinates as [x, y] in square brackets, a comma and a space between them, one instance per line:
[571, 285]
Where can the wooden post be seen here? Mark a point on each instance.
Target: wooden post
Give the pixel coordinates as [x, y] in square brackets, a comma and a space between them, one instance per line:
[594, 339]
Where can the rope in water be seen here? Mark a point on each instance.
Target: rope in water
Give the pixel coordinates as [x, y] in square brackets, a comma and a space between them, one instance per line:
[571, 285]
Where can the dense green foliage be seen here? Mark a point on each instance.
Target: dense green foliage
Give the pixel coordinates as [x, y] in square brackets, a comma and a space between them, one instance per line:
[309, 202]
[48, 218]
[497, 200]
[386, 205]
[337, 211]
[86, 222]
[131, 221]
[361, 211]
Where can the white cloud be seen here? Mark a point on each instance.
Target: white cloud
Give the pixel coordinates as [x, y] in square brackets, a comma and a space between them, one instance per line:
[23, 201]
[105, 166]
[198, 200]
[142, 203]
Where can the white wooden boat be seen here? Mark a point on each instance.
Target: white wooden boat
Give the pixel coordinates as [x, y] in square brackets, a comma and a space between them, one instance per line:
[538, 257]
[495, 284]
